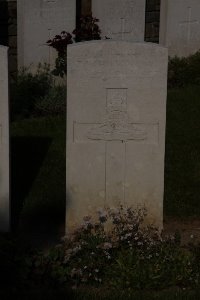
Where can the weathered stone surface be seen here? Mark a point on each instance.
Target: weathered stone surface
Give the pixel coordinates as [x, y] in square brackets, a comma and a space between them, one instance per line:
[4, 142]
[120, 19]
[180, 26]
[39, 21]
[116, 99]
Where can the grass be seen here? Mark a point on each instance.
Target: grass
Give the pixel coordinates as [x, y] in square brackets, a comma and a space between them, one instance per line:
[182, 163]
[38, 172]
[150, 295]
[93, 294]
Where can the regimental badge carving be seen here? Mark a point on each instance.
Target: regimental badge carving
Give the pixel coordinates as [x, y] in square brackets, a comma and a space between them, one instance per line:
[116, 126]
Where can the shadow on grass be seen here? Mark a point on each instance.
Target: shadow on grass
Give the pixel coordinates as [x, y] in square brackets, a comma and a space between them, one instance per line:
[27, 156]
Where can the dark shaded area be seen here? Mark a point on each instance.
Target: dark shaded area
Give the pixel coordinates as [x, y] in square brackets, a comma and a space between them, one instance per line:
[16, 273]
[152, 21]
[4, 23]
[40, 294]
[27, 155]
[83, 8]
[78, 12]
[12, 38]
[182, 153]
[8, 32]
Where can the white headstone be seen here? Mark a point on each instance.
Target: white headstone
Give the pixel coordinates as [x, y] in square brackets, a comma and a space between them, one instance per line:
[39, 21]
[180, 26]
[4, 142]
[120, 19]
[116, 106]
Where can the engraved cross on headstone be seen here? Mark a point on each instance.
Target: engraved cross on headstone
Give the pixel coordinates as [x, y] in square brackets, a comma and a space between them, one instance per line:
[188, 23]
[123, 29]
[116, 132]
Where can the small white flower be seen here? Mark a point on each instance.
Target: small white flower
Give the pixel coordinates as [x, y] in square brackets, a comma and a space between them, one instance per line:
[74, 287]
[105, 246]
[128, 235]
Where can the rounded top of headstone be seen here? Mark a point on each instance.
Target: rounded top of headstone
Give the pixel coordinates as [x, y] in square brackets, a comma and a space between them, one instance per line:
[3, 48]
[118, 46]
[118, 42]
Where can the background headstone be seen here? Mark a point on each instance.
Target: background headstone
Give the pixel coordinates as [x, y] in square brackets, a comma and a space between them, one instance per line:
[4, 142]
[180, 26]
[39, 21]
[120, 19]
[116, 99]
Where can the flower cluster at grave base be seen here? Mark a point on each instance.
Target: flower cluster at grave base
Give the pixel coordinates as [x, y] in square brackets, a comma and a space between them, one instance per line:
[129, 255]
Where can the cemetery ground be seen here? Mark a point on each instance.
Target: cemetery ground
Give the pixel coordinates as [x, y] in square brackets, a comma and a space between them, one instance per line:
[38, 197]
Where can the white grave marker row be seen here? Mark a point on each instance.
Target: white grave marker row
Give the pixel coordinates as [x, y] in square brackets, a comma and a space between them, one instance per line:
[180, 26]
[38, 21]
[120, 19]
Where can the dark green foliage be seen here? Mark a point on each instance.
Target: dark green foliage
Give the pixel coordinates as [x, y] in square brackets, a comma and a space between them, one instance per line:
[182, 157]
[15, 259]
[27, 89]
[54, 103]
[60, 65]
[184, 71]
[60, 43]
[158, 266]
[128, 256]
[195, 250]
[35, 94]
[87, 30]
